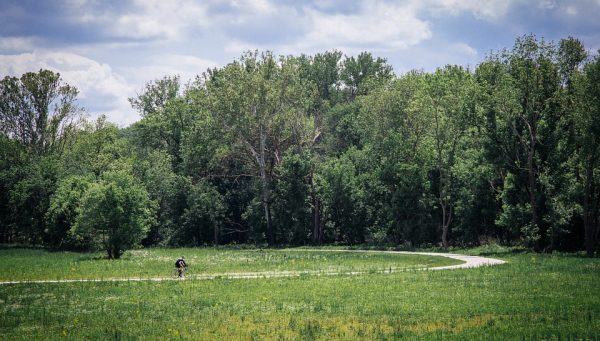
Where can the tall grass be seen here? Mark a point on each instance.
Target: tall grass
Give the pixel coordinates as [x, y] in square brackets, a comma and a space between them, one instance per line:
[35, 264]
[531, 297]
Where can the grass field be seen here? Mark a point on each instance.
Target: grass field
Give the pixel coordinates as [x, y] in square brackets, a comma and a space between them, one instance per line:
[531, 297]
[37, 264]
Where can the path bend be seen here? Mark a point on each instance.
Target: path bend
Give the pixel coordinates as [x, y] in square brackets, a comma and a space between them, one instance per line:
[469, 262]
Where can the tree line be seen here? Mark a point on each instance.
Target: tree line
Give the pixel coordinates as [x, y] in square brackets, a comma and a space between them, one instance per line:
[319, 149]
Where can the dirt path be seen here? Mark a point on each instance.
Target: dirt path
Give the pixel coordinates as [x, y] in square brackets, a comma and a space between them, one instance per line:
[469, 262]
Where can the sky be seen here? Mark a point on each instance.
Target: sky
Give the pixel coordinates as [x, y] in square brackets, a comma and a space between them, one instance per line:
[110, 49]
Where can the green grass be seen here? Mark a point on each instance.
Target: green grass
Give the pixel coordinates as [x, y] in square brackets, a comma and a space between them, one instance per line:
[37, 264]
[532, 297]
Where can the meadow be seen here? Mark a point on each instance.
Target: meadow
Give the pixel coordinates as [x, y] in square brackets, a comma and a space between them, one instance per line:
[38, 264]
[533, 296]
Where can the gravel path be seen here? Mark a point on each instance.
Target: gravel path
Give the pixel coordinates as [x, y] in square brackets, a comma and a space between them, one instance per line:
[469, 262]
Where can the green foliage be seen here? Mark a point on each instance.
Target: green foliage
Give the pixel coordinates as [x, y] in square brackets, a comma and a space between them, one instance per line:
[30, 199]
[12, 162]
[203, 217]
[166, 188]
[324, 148]
[115, 213]
[259, 104]
[586, 156]
[38, 110]
[95, 150]
[341, 128]
[344, 191]
[291, 198]
[156, 96]
[63, 212]
[166, 118]
[360, 74]
[324, 72]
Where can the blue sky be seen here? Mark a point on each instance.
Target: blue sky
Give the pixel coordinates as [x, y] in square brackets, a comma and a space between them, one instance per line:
[110, 49]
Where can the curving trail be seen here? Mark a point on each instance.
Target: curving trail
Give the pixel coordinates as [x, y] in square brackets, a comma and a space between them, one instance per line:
[469, 262]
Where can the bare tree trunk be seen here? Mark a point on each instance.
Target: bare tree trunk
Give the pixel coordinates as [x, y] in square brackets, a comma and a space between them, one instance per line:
[265, 187]
[270, 231]
[317, 231]
[590, 208]
[216, 233]
[316, 215]
[588, 225]
[446, 220]
[533, 195]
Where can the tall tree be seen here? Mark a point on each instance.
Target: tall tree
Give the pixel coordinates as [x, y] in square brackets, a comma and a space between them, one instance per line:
[202, 219]
[562, 136]
[536, 78]
[261, 104]
[95, 148]
[292, 193]
[63, 211]
[587, 127]
[393, 131]
[448, 101]
[166, 117]
[357, 72]
[115, 213]
[39, 110]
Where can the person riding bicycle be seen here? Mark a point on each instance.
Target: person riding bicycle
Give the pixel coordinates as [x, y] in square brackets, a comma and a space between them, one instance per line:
[180, 265]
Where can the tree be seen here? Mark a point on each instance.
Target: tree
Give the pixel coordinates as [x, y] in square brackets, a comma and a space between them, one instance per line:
[63, 211]
[324, 71]
[156, 95]
[39, 110]
[168, 189]
[560, 180]
[203, 218]
[587, 158]
[393, 131]
[260, 104]
[357, 72]
[522, 88]
[497, 104]
[95, 149]
[342, 185]
[448, 102]
[291, 198]
[38, 116]
[12, 169]
[30, 199]
[166, 117]
[115, 213]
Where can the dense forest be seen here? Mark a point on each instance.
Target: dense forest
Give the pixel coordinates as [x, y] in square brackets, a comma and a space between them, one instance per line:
[297, 150]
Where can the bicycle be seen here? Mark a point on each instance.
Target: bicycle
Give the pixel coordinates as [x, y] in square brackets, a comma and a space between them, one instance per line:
[180, 274]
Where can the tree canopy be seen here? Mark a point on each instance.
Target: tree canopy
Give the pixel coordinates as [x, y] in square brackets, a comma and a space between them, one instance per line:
[314, 149]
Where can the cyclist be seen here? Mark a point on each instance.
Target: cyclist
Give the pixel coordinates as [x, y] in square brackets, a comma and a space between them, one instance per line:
[181, 266]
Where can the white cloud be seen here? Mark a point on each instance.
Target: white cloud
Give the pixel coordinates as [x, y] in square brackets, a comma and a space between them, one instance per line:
[572, 10]
[263, 7]
[485, 9]
[446, 53]
[382, 25]
[187, 67]
[146, 19]
[547, 5]
[377, 26]
[16, 43]
[98, 85]
[465, 49]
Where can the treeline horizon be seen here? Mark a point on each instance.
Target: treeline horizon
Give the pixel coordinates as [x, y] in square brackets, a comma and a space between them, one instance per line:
[313, 150]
